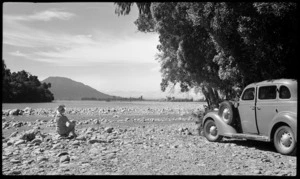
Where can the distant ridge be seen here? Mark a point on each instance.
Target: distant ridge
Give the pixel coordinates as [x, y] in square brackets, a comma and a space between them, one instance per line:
[68, 89]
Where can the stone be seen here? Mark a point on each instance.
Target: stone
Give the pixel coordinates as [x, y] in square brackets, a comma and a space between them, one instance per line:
[62, 153]
[108, 129]
[29, 135]
[64, 158]
[57, 146]
[18, 142]
[27, 110]
[15, 172]
[36, 141]
[257, 171]
[13, 134]
[41, 158]
[94, 151]
[76, 142]
[14, 112]
[81, 137]
[15, 161]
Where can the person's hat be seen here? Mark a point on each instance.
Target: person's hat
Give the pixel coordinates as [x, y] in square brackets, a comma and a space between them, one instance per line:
[60, 107]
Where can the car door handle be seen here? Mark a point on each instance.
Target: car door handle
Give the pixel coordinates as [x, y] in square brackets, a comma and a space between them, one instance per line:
[258, 108]
[252, 107]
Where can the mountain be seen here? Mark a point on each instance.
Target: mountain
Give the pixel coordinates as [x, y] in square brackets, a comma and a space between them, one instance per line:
[67, 89]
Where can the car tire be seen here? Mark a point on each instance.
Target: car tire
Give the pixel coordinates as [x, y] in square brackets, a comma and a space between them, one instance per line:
[210, 131]
[226, 112]
[284, 141]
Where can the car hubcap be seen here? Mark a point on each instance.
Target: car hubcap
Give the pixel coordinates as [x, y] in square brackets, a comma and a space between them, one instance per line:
[286, 139]
[213, 130]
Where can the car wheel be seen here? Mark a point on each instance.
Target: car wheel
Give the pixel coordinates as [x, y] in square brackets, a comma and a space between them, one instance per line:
[284, 141]
[226, 112]
[210, 131]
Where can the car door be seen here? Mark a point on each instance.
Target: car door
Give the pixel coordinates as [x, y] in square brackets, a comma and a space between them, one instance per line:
[266, 107]
[246, 110]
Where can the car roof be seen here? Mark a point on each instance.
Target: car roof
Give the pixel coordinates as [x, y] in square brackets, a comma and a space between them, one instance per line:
[275, 81]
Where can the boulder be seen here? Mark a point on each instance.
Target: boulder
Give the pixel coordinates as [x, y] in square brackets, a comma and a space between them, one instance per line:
[29, 135]
[14, 134]
[108, 129]
[5, 112]
[27, 110]
[36, 141]
[18, 142]
[14, 112]
[64, 158]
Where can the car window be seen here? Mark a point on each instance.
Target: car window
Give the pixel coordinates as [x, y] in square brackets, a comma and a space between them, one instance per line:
[248, 94]
[267, 92]
[284, 92]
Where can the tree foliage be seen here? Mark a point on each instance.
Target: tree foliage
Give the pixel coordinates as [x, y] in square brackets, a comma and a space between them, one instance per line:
[220, 47]
[23, 87]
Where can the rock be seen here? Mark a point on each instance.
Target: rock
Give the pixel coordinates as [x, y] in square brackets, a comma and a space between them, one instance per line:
[57, 146]
[81, 137]
[5, 125]
[64, 158]
[27, 110]
[18, 142]
[92, 141]
[29, 135]
[13, 134]
[15, 172]
[14, 112]
[108, 129]
[268, 173]
[41, 158]
[257, 171]
[96, 122]
[17, 124]
[10, 142]
[62, 153]
[36, 141]
[15, 161]
[76, 142]
[94, 151]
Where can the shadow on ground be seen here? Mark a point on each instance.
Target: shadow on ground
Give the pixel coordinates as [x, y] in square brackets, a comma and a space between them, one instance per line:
[264, 146]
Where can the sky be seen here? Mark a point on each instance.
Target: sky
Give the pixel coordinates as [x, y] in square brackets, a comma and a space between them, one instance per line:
[86, 42]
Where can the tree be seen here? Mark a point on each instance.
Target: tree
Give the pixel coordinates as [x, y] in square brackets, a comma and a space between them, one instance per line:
[220, 47]
[23, 87]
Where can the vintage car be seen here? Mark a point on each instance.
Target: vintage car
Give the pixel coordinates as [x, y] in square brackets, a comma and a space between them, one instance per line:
[266, 111]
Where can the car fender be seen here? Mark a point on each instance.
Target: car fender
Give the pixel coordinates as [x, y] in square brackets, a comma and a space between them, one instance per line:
[223, 128]
[289, 118]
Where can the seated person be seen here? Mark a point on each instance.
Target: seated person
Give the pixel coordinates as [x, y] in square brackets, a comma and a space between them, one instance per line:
[64, 126]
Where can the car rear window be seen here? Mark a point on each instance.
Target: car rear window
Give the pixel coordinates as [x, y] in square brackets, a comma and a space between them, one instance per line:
[284, 92]
[267, 92]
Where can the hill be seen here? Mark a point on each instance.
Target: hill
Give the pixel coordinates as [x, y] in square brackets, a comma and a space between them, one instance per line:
[67, 89]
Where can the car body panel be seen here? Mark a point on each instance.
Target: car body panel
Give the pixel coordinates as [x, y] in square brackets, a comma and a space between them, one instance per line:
[284, 117]
[223, 128]
[246, 109]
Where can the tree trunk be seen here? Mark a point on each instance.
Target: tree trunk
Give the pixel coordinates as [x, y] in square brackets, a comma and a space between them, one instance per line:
[211, 96]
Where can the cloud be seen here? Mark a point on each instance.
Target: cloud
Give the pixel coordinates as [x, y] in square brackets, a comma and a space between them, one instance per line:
[65, 49]
[42, 16]
[18, 54]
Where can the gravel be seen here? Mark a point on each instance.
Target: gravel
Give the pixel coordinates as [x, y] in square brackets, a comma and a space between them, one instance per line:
[129, 140]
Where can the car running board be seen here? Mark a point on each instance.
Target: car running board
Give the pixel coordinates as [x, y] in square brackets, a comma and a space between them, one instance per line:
[249, 136]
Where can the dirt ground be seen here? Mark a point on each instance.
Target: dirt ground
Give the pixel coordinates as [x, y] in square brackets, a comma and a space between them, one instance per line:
[132, 141]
